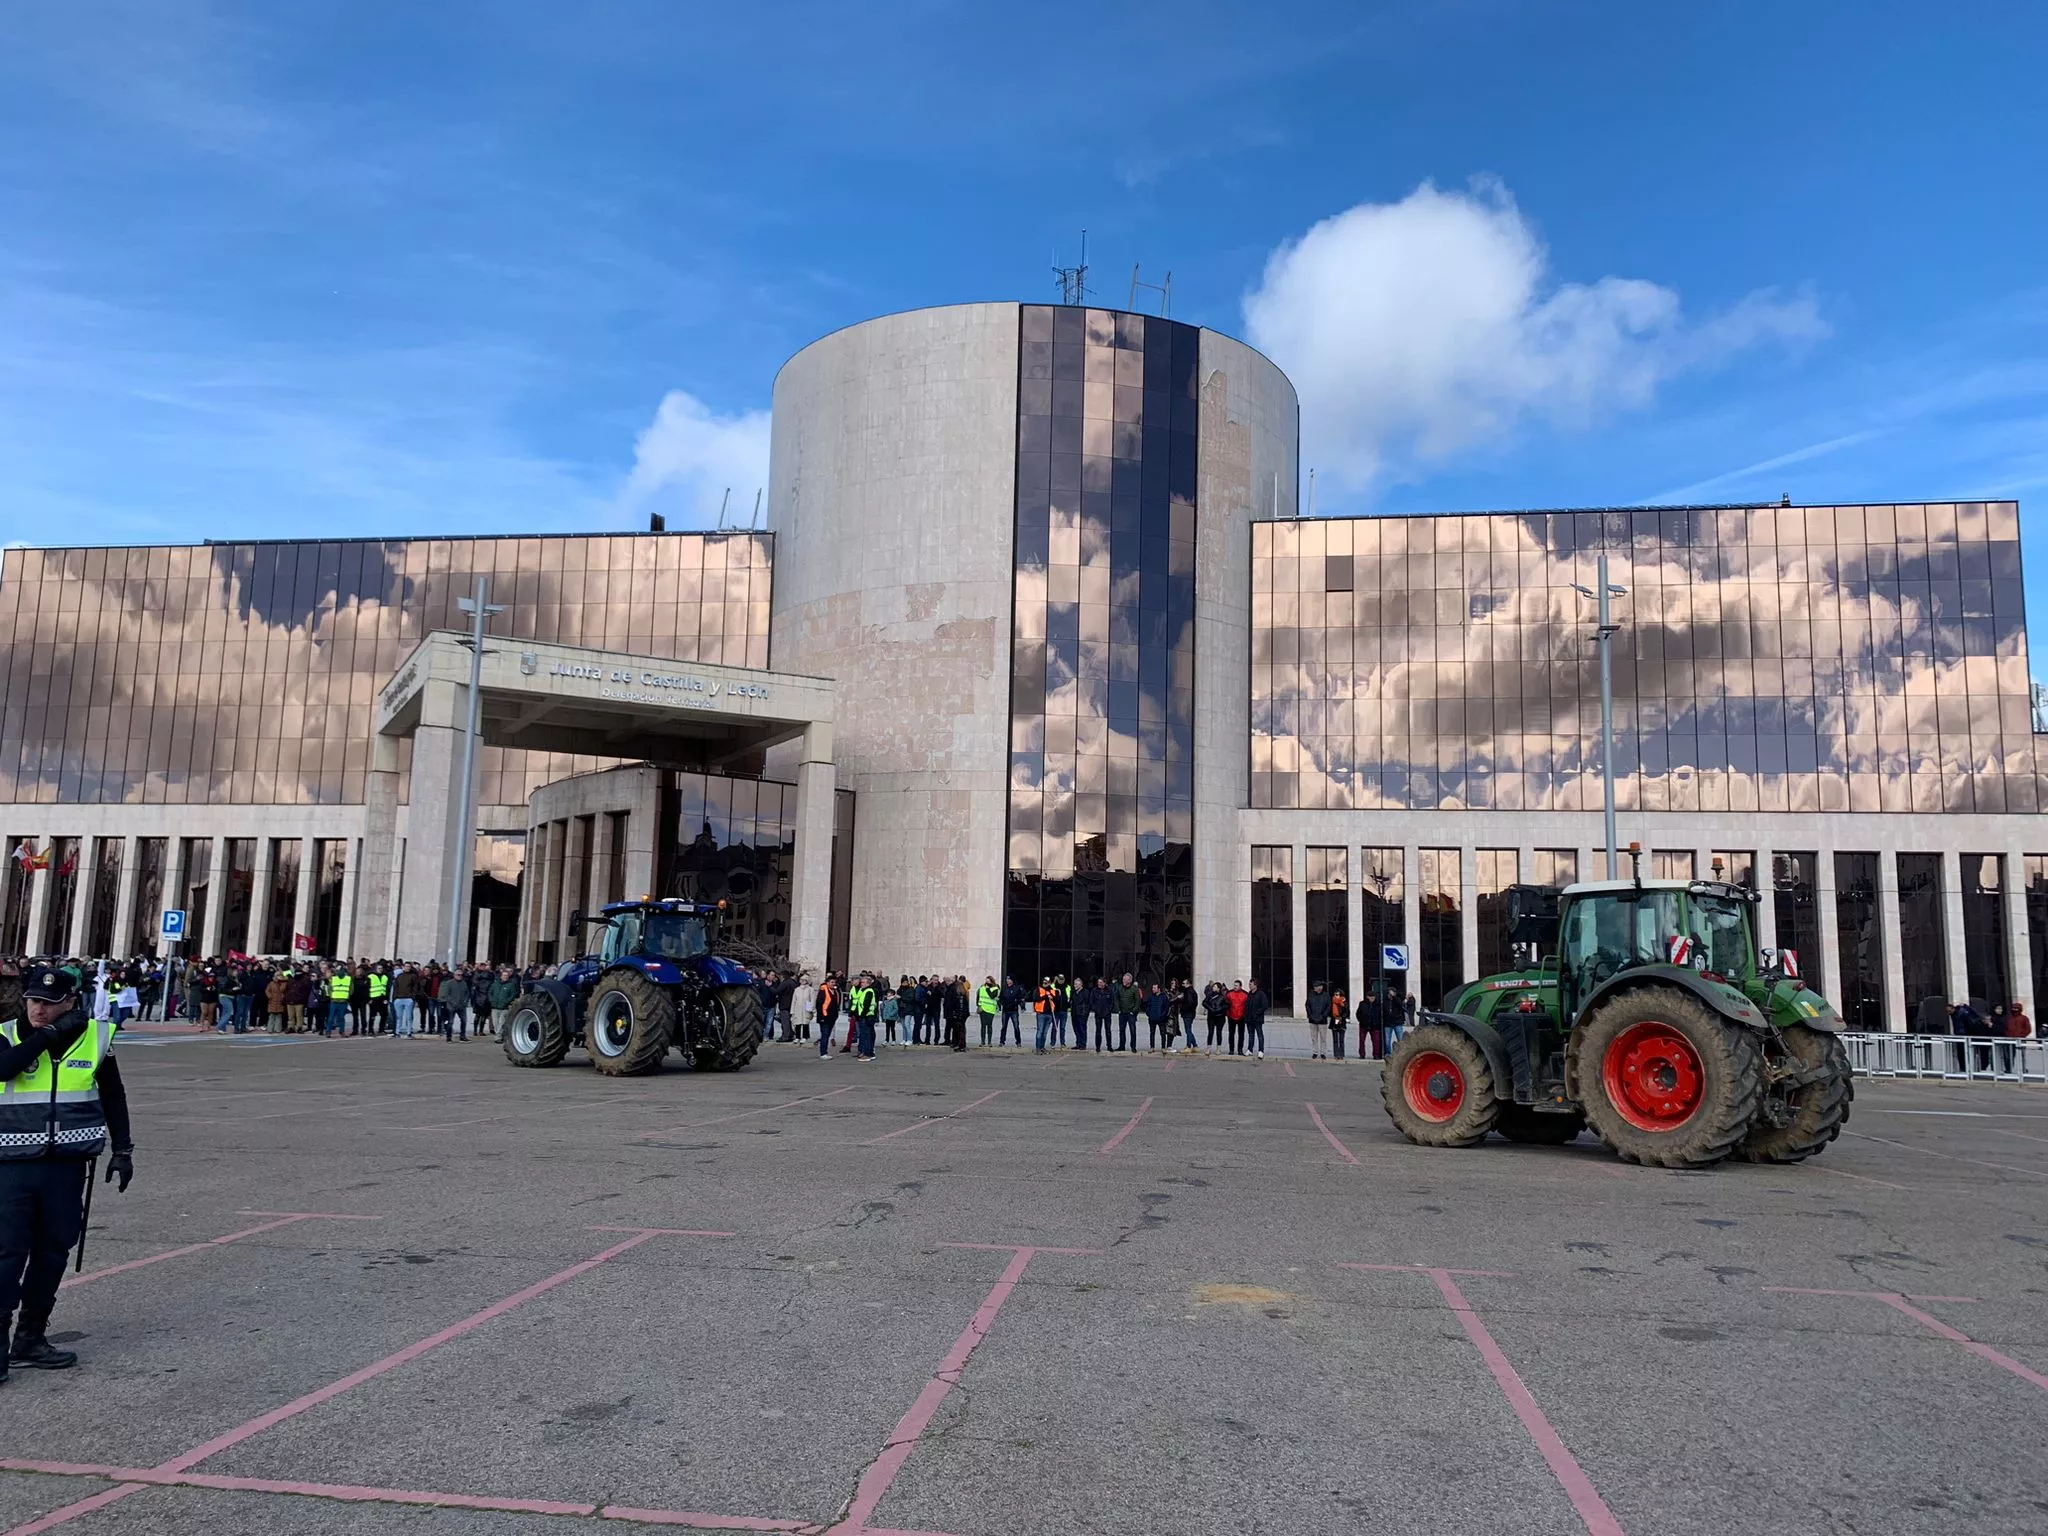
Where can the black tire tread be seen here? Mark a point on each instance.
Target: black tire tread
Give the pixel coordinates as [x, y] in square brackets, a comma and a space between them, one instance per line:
[653, 1018]
[1475, 1118]
[1734, 1066]
[1819, 1116]
[554, 1032]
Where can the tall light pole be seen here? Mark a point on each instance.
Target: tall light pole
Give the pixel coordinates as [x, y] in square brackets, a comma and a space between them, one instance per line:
[479, 609]
[1606, 632]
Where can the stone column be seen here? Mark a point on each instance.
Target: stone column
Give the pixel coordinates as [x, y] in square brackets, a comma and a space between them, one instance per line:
[1236, 942]
[1468, 913]
[38, 907]
[216, 898]
[259, 894]
[1354, 927]
[1956, 963]
[354, 856]
[810, 885]
[432, 830]
[1411, 915]
[546, 918]
[174, 895]
[1825, 924]
[125, 942]
[575, 881]
[1297, 903]
[377, 888]
[643, 823]
[483, 934]
[1767, 909]
[1895, 1018]
[302, 907]
[79, 918]
[2019, 939]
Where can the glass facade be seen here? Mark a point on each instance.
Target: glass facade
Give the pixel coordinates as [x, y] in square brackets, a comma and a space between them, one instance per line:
[1859, 941]
[246, 673]
[1671, 863]
[150, 856]
[1986, 974]
[2037, 925]
[1495, 869]
[1442, 961]
[106, 897]
[1557, 867]
[1849, 658]
[1329, 918]
[1795, 895]
[1273, 923]
[282, 910]
[736, 843]
[1737, 866]
[1923, 940]
[1383, 892]
[1101, 814]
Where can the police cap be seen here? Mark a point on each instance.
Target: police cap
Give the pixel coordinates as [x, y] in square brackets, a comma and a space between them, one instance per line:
[48, 984]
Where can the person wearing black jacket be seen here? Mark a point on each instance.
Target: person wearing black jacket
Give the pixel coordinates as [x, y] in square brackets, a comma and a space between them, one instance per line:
[954, 1005]
[66, 1107]
[1255, 1005]
[1216, 1005]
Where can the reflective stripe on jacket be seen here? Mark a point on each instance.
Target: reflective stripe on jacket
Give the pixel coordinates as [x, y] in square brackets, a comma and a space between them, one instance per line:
[53, 1110]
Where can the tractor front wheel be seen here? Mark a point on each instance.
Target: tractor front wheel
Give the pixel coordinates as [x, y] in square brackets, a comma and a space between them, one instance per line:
[1665, 1080]
[629, 1025]
[1438, 1088]
[1796, 1122]
[535, 1035]
[738, 1014]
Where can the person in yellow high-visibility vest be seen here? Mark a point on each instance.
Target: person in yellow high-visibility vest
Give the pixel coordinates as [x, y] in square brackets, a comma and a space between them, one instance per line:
[61, 1105]
[338, 988]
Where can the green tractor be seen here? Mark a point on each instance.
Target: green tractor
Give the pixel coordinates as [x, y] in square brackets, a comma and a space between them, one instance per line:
[1650, 1021]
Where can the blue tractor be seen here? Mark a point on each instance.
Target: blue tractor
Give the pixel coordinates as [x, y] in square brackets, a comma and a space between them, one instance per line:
[653, 984]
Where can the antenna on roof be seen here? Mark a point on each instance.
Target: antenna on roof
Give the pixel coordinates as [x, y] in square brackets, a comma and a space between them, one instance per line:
[1311, 493]
[1073, 281]
[1163, 289]
[754, 522]
[727, 497]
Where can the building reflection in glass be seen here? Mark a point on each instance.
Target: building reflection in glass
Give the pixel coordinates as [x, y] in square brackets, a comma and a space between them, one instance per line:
[246, 673]
[1849, 658]
[1100, 873]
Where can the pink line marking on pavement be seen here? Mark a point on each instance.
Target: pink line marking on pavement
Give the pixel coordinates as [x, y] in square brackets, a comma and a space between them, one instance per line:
[1290, 1068]
[284, 1219]
[698, 1125]
[1592, 1510]
[881, 1472]
[1899, 1303]
[70, 1512]
[297, 1406]
[1331, 1136]
[1129, 1126]
[1843, 1173]
[934, 1120]
[701, 1522]
[1975, 1162]
[1424, 1269]
[664, 1231]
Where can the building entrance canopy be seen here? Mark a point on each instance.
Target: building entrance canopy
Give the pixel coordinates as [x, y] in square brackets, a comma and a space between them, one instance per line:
[556, 698]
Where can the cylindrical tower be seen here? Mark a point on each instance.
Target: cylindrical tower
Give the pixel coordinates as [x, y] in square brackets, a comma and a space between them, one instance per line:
[1017, 536]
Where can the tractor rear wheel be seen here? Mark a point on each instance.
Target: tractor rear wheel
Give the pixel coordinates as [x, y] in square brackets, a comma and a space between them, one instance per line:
[629, 1025]
[535, 1035]
[739, 1016]
[1518, 1122]
[1438, 1088]
[1795, 1123]
[1665, 1080]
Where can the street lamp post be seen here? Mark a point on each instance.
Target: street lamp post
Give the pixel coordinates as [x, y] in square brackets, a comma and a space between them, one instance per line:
[1606, 631]
[479, 609]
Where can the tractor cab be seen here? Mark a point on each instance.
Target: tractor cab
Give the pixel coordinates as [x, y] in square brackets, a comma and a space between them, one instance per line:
[1608, 927]
[665, 930]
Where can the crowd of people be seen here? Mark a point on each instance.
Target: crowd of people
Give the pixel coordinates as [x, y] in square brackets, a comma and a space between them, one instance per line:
[1062, 1014]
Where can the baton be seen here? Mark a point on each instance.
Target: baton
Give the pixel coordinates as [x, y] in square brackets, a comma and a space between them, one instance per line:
[85, 1216]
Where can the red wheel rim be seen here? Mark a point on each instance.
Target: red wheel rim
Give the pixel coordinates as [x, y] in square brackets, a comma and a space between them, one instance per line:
[1653, 1077]
[1433, 1084]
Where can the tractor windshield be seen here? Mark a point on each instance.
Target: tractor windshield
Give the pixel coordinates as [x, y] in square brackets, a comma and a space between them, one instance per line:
[1720, 933]
[1609, 931]
[676, 936]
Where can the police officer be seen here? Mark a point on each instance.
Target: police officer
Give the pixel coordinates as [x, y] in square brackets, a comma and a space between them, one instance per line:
[61, 1104]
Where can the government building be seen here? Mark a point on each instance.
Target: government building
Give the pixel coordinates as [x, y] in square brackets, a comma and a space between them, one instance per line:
[1039, 669]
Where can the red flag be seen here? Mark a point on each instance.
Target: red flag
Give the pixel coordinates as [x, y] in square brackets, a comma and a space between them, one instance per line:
[302, 944]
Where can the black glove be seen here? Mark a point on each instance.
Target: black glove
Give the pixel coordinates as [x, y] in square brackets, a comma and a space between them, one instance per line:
[123, 1164]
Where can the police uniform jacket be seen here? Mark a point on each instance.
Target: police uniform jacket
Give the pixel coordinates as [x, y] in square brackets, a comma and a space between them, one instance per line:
[60, 1090]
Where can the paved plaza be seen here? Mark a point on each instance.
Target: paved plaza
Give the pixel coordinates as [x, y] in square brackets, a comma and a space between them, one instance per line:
[375, 1286]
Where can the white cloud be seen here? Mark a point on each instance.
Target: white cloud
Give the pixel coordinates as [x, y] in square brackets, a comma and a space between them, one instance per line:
[688, 456]
[1419, 328]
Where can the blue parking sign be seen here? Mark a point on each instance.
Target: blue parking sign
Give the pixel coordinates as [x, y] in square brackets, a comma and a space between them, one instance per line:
[174, 924]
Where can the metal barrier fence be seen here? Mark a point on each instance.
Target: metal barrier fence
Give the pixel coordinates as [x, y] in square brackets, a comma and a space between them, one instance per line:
[1956, 1058]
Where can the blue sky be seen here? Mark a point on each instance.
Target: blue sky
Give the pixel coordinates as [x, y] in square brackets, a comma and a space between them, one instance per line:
[291, 268]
